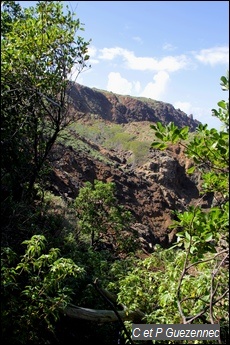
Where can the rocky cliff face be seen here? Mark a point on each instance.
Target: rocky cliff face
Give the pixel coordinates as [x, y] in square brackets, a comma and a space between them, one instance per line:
[124, 109]
[152, 190]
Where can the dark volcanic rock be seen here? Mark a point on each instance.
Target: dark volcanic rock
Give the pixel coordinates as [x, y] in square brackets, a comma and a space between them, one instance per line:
[151, 192]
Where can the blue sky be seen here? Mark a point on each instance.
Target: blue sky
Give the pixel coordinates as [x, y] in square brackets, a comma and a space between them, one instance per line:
[171, 51]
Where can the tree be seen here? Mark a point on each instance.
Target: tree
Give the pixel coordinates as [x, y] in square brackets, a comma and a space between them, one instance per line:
[188, 283]
[39, 49]
[100, 216]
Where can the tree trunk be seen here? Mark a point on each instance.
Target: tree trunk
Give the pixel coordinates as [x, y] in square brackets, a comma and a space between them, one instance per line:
[102, 315]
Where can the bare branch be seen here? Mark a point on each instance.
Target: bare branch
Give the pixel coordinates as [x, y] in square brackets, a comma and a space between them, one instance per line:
[209, 259]
[102, 316]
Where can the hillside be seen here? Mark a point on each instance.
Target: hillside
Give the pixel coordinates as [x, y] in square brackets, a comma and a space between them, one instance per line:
[111, 141]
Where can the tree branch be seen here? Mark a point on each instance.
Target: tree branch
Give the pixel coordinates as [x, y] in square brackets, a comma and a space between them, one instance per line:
[101, 316]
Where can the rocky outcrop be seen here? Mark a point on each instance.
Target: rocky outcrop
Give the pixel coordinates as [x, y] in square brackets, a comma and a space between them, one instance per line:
[151, 191]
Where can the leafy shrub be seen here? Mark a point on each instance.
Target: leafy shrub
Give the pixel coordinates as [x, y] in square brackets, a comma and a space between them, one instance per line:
[34, 291]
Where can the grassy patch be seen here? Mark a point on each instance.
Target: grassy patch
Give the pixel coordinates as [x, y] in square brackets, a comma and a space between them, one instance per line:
[134, 137]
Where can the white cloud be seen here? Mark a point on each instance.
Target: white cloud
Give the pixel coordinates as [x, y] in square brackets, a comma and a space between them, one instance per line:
[93, 61]
[138, 39]
[137, 86]
[156, 89]
[199, 113]
[214, 56]
[110, 53]
[119, 85]
[184, 106]
[168, 63]
[169, 47]
[92, 52]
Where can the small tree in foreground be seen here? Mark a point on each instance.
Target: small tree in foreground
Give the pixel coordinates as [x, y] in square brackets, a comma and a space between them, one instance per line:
[102, 218]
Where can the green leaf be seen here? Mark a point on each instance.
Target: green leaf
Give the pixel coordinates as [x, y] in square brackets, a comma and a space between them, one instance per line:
[187, 235]
[208, 237]
[191, 169]
[158, 145]
[159, 135]
[222, 104]
[160, 127]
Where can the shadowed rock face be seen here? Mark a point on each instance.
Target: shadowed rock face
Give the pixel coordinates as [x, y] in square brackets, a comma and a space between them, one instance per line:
[151, 192]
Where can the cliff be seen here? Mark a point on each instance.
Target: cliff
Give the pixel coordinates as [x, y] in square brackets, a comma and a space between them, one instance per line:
[98, 145]
[94, 103]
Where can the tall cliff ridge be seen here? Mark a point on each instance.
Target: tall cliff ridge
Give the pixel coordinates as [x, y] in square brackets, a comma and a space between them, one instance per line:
[110, 141]
[124, 109]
